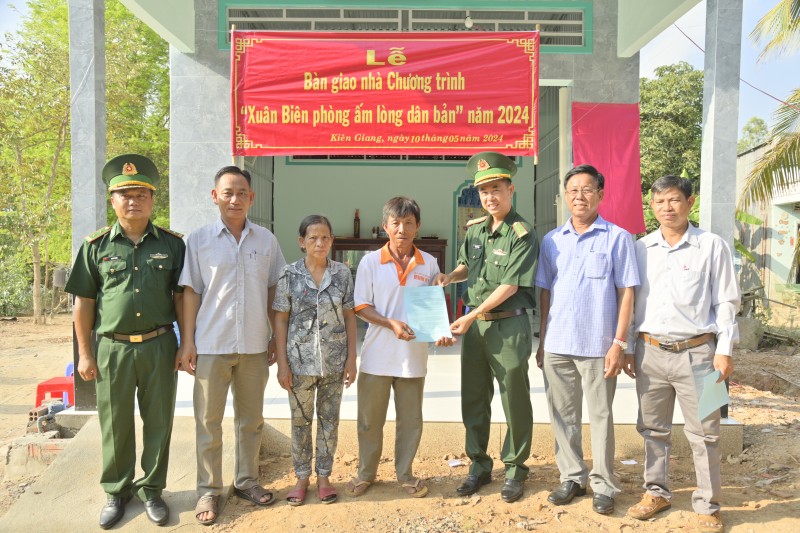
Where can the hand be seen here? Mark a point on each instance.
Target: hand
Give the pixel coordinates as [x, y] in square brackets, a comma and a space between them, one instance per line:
[285, 376]
[461, 325]
[350, 372]
[445, 341]
[540, 355]
[443, 280]
[87, 368]
[614, 361]
[402, 330]
[188, 353]
[629, 366]
[272, 357]
[724, 364]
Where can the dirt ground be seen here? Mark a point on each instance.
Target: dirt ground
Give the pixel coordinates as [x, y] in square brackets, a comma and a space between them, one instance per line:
[761, 486]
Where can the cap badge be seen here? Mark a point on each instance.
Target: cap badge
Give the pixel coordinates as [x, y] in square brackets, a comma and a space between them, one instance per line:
[483, 165]
[129, 169]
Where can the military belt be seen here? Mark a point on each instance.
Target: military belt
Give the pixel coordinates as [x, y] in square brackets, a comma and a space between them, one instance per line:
[140, 337]
[497, 315]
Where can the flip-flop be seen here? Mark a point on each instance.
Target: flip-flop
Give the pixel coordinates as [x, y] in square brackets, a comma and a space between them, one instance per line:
[254, 495]
[296, 497]
[206, 504]
[327, 494]
[355, 487]
[416, 489]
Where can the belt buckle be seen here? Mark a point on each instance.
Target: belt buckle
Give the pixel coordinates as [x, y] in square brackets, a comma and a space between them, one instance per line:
[481, 316]
[667, 346]
[135, 338]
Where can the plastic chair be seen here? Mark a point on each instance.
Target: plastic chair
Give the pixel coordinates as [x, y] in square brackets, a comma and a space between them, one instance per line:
[64, 385]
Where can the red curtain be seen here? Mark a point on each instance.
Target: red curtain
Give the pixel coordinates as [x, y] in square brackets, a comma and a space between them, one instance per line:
[606, 136]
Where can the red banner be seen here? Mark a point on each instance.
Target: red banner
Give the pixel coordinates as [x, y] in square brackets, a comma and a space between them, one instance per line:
[606, 136]
[384, 93]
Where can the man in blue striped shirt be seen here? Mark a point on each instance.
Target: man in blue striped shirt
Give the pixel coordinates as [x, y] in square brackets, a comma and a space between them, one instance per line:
[586, 273]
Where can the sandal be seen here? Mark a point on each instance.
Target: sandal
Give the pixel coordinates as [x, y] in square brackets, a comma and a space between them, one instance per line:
[296, 497]
[327, 494]
[206, 504]
[355, 487]
[417, 489]
[254, 495]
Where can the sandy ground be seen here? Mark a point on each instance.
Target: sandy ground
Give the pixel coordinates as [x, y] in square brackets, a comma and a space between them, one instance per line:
[761, 486]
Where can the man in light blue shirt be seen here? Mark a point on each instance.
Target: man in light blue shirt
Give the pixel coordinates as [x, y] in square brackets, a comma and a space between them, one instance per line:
[586, 273]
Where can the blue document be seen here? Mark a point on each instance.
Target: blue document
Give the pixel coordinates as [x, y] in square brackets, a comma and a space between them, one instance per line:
[426, 311]
[714, 396]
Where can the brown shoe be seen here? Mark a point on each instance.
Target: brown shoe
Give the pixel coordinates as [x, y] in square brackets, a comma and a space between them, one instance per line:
[649, 507]
[711, 523]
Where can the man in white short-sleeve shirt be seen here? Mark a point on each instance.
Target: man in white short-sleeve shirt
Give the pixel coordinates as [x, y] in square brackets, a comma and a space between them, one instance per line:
[232, 267]
[389, 358]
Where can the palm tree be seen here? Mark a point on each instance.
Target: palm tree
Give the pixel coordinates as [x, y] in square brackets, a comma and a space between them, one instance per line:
[779, 167]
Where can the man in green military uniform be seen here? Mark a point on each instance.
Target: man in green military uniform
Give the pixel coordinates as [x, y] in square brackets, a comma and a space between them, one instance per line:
[125, 282]
[498, 261]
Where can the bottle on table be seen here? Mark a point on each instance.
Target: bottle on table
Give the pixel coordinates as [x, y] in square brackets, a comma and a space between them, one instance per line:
[356, 226]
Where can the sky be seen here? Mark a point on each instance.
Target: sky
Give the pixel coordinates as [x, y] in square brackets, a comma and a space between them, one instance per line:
[777, 75]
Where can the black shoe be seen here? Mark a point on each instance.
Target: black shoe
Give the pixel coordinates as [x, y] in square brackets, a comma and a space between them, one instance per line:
[512, 490]
[473, 483]
[113, 511]
[157, 510]
[565, 493]
[603, 504]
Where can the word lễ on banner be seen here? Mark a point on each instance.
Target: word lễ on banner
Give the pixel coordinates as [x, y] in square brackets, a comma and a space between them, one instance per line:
[384, 93]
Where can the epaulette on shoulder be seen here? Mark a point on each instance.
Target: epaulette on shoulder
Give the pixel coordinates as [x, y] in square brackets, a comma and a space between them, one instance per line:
[173, 233]
[97, 234]
[477, 220]
[520, 229]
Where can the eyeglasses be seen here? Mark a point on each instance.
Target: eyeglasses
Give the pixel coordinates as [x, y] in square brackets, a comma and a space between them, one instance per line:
[586, 191]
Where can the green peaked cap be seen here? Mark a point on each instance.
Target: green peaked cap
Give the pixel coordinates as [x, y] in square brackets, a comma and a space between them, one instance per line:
[130, 170]
[489, 166]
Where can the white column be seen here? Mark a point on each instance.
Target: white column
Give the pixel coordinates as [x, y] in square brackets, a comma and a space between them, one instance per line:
[720, 117]
[87, 77]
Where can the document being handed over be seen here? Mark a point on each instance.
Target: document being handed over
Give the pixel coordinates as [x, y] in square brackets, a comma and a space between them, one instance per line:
[426, 311]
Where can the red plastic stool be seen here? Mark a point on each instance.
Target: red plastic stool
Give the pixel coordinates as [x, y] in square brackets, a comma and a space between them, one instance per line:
[56, 386]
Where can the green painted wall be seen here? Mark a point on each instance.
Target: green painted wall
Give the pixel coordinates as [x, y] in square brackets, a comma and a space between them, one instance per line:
[337, 190]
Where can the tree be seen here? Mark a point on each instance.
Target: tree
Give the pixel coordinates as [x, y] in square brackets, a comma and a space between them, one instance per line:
[34, 126]
[779, 167]
[754, 133]
[671, 110]
[34, 129]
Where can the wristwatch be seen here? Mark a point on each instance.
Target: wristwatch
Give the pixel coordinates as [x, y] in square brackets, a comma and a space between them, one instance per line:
[621, 343]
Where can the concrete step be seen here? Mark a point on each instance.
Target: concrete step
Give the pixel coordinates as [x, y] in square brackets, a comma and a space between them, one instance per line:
[67, 497]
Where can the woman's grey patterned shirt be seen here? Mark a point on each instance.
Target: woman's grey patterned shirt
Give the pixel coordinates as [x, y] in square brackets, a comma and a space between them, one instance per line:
[316, 344]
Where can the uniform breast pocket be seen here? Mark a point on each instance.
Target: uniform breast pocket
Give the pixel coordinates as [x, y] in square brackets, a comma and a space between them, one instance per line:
[496, 267]
[158, 273]
[597, 266]
[113, 273]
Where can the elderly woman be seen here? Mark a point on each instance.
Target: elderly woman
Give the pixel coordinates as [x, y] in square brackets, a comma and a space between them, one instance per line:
[315, 334]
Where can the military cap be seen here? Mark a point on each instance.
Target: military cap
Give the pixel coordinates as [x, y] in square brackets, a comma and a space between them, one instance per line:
[130, 170]
[490, 166]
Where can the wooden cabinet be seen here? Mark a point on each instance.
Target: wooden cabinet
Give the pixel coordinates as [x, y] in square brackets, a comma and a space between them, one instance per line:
[350, 251]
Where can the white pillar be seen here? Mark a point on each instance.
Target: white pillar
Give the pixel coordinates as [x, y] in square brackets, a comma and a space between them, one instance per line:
[87, 78]
[720, 117]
